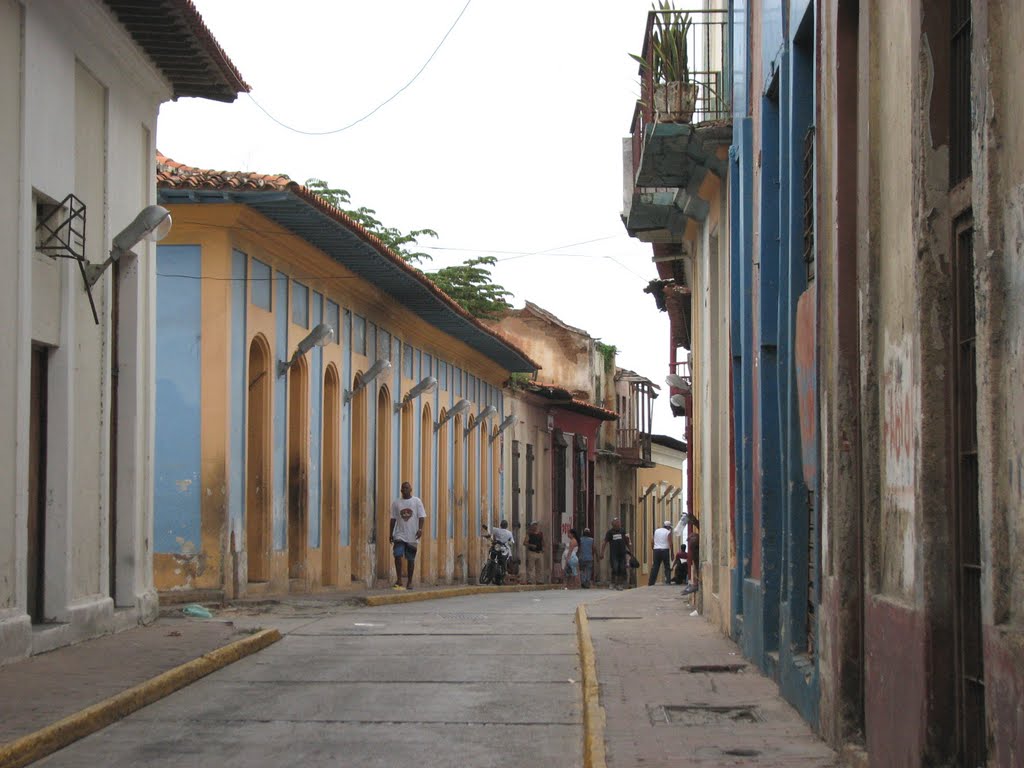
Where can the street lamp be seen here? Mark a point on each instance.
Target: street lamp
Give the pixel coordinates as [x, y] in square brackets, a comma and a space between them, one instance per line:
[152, 223]
[677, 382]
[372, 373]
[318, 337]
[508, 422]
[459, 407]
[476, 421]
[427, 385]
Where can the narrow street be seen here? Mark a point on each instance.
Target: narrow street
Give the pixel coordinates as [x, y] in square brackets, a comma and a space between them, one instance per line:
[482, 680]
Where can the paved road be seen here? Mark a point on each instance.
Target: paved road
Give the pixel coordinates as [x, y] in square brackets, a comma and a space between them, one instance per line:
[485, 680]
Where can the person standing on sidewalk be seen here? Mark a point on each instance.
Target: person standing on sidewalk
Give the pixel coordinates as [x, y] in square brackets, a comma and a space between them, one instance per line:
[534, 553]
[407, 517]
[572, 561]
[586, 555]
[662, 554]
[618, 540]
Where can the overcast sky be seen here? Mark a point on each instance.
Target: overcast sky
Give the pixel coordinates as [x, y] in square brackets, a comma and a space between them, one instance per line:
[508, 143]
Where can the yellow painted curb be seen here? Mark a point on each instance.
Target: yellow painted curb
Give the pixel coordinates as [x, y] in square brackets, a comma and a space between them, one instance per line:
[414, 596]
[593, 712]
[48, 740]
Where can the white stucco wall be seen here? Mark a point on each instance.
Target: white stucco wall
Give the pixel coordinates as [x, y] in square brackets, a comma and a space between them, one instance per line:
[78, 111]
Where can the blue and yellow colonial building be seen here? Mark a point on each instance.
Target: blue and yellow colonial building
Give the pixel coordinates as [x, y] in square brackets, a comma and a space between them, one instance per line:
[280, 445]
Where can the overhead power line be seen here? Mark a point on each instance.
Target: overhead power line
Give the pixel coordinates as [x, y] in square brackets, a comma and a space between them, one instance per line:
[373, 111]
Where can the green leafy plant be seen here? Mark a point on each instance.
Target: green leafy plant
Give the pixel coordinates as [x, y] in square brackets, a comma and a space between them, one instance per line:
[393, 238]
[669, 59]
[607, 352]
[469, 284]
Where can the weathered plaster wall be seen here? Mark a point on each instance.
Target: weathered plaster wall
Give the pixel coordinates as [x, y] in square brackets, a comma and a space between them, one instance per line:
[998, 192]
[566, 357]
[80, 104]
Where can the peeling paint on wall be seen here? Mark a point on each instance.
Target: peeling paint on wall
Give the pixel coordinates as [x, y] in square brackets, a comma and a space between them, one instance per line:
[901, 419]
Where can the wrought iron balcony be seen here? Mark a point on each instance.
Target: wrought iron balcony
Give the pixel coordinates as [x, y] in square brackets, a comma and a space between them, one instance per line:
[680, 128]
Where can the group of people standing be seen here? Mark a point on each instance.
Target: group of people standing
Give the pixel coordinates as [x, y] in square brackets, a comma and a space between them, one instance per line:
[408, 516]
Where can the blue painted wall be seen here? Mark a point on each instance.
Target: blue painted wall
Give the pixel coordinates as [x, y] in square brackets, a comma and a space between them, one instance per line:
[346, 428]
[771, 612]
[316, 421]
[239, 362]
[177, 521]
[280, 432]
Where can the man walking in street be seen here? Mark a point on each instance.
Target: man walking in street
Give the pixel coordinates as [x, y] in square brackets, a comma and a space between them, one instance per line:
[662, 554]
[618, 540]
[407, 517]
[534, 553]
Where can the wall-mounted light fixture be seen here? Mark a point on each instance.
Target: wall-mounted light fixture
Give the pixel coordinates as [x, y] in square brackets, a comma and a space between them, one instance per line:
[427, 385]
[459, 407]
[152, 223]
[372, 373]
[318, 337]
[508, 422]
[476, 421]
[679, 401]
[678, 382]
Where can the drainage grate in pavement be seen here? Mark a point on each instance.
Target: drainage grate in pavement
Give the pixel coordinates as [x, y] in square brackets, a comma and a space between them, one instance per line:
[612, 618]
[673, 714]
[714, 668]
[739, 752]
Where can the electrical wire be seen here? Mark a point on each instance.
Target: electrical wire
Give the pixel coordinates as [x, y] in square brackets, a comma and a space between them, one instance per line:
[379, 106]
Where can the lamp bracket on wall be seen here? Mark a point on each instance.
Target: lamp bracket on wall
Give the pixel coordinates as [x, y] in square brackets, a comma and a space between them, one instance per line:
[508, 422]
[427, 385]
[459, 407]
[476, 421]
[375, 370]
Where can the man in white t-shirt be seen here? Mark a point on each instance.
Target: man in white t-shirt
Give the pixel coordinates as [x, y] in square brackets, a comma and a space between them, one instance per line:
[662, 554]
[502, 535]
[407, 517]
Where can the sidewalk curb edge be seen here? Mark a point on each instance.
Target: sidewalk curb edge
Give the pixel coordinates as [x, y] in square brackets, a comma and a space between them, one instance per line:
[593, 712]
[38, 744]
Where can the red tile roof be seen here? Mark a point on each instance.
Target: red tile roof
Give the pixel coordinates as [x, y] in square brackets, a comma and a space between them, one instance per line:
[171, 174]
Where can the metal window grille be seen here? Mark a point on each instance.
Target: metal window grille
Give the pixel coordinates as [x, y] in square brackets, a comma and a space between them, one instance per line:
[812, 574]
[515, 487]
[960, 92]
[808, 223]
[970, 661]
[529, 483]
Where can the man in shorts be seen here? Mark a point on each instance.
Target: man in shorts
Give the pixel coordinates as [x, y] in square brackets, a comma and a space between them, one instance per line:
[407, 517]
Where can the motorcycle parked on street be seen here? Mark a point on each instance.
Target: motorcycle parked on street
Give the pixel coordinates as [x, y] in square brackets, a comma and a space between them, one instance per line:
[496, 565]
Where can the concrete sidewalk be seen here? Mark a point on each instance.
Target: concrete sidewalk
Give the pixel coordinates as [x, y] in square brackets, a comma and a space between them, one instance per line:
[661, 708]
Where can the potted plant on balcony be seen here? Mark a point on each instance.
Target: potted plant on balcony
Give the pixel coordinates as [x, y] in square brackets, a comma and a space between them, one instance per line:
[675, 95]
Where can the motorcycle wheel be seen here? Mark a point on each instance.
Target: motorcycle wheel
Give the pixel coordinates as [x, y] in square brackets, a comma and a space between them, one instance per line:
[499, 578]
[485, 573]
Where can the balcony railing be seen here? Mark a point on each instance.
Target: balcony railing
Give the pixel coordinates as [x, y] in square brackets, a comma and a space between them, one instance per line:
[707, 41]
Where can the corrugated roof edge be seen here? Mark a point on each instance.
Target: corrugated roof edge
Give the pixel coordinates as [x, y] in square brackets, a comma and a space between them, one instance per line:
[195, 22]
[175, 175]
